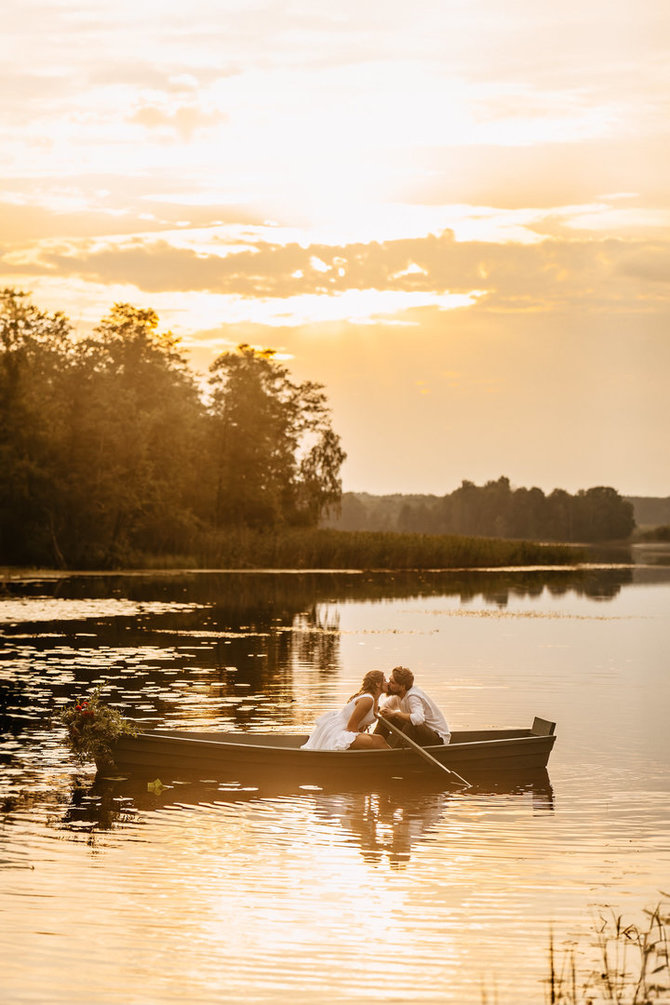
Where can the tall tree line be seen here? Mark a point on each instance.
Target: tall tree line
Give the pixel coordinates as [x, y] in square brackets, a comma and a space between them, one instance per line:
[109, 445]
[496, 510]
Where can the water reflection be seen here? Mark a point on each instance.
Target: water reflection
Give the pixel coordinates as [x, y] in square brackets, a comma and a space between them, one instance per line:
[468, 883]
[385, 822]
[385, 825]
[254, 599]
[208, 651]
[97, 807]
[145, 637]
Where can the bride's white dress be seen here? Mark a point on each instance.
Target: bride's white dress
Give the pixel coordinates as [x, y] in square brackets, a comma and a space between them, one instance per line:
[330, 730]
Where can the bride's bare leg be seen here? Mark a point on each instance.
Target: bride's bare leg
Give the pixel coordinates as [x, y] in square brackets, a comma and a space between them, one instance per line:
[369, 741]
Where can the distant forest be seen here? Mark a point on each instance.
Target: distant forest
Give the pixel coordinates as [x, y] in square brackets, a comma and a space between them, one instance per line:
[650, 512]
[494, 510]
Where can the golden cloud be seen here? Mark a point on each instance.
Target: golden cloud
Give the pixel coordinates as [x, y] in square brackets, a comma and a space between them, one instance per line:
[550, 274]
[181, 122]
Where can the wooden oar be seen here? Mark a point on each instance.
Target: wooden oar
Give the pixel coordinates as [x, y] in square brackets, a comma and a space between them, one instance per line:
[423, 752]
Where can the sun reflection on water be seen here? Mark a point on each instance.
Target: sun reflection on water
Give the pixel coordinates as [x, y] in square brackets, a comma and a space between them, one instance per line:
[227, 888]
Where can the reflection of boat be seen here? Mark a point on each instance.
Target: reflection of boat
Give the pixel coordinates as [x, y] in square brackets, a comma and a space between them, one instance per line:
[471, 753]
[385, 823]
[386, 820]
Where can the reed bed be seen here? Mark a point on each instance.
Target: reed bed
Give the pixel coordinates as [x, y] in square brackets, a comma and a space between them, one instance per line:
[325, 548]
[633, 964]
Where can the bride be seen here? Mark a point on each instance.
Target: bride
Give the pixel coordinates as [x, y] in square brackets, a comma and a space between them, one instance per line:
[346, 729]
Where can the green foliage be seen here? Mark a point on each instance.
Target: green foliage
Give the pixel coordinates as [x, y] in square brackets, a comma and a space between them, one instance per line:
[36, 357]
[110, 450]
[135, 433]
[93, 728]
[277, 457]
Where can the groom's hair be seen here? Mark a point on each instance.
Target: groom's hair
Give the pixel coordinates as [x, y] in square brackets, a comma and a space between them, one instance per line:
[403, 676]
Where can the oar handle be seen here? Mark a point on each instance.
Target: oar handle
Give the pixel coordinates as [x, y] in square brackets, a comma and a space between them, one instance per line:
[423, 752]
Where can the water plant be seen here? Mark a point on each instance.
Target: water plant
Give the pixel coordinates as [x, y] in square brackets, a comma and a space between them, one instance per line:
[634, 963]
[92, 729]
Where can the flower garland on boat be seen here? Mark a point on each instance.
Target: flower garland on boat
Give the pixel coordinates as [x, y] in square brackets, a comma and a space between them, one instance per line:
[92, 729]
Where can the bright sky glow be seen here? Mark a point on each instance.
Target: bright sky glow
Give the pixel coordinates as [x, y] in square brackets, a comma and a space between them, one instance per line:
[383, 192]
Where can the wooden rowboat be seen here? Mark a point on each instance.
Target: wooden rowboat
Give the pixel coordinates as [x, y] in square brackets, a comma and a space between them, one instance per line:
[470, 753]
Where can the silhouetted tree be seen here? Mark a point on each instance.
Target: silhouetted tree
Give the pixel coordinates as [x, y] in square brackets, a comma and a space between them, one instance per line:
[277, 459]
[36, 356]
[602, 515]
[98, 438]
[559, 516]
[137, 430]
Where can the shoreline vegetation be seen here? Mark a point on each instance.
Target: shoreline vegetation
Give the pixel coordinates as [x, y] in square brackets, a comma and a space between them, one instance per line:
[306, 549]
[114, 453]
[324, 548]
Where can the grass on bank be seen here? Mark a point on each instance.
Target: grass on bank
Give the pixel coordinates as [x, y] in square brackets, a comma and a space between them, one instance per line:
[324, 548]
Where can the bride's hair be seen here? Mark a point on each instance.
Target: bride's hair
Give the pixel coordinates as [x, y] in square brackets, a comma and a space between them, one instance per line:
[372, 679]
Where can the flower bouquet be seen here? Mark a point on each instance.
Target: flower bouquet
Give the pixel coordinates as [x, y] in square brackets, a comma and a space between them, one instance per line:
[93, 728]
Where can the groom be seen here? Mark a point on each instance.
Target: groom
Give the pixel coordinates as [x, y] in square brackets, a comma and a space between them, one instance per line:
[412, 711]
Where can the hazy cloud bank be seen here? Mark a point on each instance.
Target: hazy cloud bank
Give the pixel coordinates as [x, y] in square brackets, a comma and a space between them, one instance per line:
[549, 274]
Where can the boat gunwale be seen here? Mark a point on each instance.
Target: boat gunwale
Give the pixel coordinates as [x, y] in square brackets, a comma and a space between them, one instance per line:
[523, 738]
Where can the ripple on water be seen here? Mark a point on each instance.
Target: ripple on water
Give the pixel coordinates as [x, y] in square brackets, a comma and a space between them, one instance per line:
[215, 889]
[45, 609]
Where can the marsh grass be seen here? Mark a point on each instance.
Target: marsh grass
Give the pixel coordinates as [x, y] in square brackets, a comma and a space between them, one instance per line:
[634, 964]
[325, 548]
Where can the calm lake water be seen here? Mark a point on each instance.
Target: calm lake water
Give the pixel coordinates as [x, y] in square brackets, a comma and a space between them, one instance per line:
[218, 889]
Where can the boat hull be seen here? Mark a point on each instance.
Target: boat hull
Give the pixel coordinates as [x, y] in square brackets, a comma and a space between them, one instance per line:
[470, 754]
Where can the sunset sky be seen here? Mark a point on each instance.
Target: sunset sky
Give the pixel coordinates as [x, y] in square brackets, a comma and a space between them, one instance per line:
[455, 214]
